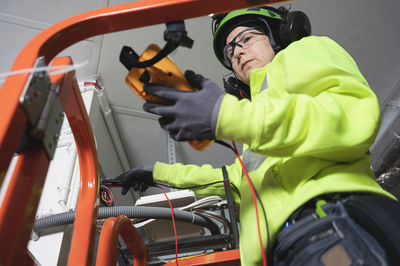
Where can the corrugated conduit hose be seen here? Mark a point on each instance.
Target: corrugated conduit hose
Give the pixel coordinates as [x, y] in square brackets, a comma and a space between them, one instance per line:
[64, 218]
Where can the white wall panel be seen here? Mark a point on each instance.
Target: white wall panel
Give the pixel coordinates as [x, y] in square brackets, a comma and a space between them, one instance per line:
[22, 20]
[14, 38]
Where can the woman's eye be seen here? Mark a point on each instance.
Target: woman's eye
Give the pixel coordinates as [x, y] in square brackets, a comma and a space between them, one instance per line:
[246, 38]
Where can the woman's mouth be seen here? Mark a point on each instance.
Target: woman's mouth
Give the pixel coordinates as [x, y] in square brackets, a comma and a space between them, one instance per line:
[245, 63]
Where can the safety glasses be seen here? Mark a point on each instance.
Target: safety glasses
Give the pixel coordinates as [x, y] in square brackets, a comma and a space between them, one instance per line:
[243, 39]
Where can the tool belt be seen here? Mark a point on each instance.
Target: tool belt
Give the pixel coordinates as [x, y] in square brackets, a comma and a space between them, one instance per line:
[343, 226]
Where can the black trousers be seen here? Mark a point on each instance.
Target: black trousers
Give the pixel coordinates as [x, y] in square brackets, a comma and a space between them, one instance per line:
[359, 229]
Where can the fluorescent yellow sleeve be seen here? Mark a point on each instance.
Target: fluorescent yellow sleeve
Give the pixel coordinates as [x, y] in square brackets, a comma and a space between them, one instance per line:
[184, 176]
[317, 104]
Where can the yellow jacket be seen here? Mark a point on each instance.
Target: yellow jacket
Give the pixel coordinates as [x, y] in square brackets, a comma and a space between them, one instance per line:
[306, 132]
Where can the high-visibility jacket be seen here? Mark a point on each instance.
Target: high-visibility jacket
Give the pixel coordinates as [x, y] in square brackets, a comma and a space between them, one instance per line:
[306, 132]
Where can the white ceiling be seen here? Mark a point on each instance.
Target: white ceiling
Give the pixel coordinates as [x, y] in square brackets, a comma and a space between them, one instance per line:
[367, 29]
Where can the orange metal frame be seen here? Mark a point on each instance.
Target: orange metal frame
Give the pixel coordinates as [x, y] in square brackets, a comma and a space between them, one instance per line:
[20, 204]
[108, 243]
[222, 258]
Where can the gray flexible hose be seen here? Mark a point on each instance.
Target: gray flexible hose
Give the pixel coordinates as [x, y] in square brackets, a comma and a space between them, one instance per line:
[44, 223]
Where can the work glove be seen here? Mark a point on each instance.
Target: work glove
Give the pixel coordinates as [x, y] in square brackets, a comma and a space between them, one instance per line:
[139, 178]
[187, 115]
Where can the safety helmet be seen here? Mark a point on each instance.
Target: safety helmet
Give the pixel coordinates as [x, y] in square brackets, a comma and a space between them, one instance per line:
[281, 26]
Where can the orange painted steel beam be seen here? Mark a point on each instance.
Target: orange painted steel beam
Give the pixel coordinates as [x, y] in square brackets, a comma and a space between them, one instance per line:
[108, 242]
[81, 252]
[19, 206]
[228, 257]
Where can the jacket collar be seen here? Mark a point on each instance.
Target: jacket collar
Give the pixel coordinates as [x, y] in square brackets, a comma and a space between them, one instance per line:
[258, 80]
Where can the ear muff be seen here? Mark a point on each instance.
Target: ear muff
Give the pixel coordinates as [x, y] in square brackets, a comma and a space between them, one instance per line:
[237, 88]
[294, 26]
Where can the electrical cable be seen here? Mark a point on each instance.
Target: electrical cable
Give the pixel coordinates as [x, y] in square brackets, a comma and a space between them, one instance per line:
[223, 143]
[253, 193]
[257, 195]
[265, 216]
[106, 196]
[198, 186]
[204, 202]
[173, 224]
[226, 224]
[64, 218]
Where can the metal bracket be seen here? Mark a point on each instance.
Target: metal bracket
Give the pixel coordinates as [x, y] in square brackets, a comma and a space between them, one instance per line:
[170, 149]
[45, 113]
[53, 128]
[171, 152]
[35, 94]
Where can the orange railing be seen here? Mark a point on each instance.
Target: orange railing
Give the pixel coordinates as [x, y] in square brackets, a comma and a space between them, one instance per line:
[21, 200]
[221, 258]
[19, 206]
[108, 242]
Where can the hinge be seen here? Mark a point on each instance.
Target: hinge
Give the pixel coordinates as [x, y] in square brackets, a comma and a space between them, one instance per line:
[44, 111]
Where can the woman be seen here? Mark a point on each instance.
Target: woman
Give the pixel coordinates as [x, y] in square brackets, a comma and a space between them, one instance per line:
[306, 133]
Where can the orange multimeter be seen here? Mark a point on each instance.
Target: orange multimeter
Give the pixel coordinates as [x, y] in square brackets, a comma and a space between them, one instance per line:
[164, 72]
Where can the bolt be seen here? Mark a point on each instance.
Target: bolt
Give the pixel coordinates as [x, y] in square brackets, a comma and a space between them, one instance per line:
[40, 75]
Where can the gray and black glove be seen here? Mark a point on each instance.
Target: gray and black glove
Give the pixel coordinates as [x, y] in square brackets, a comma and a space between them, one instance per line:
[188, 115]
[139, 178]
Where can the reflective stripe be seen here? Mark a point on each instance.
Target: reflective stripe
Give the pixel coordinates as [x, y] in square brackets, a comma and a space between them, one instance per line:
[252, 160]
[264, 85]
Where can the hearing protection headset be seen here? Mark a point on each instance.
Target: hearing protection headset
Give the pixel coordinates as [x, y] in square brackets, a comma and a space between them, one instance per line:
[280, 25]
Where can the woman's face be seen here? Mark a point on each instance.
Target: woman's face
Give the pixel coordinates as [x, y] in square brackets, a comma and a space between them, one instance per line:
[256, 54]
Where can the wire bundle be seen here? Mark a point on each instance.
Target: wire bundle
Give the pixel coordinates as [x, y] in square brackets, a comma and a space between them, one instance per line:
[106, 196]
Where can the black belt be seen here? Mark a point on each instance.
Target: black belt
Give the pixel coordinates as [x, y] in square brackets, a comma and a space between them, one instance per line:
[313, 206]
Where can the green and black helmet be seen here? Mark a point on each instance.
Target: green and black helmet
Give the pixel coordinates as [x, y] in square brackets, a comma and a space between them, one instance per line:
[281, 26]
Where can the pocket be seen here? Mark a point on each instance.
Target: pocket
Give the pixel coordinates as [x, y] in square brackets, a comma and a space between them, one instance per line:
[333, 240]
[349, 244]
[305, 237]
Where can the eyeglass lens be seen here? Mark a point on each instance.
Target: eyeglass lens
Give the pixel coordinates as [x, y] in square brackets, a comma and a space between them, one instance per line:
[244, 39]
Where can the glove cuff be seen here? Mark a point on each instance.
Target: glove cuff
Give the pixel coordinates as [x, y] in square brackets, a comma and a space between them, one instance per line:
[215, 113]
[147, 168]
